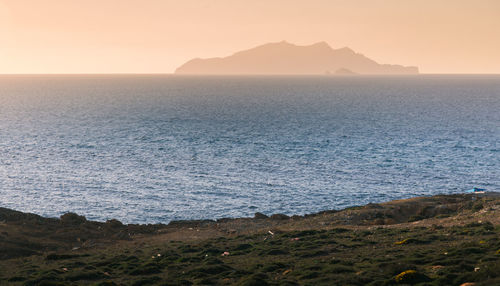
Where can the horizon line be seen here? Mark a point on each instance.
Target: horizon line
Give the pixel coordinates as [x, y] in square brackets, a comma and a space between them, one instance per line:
[236, 75]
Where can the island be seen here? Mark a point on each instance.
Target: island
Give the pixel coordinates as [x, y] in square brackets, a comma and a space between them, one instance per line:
[284, 58]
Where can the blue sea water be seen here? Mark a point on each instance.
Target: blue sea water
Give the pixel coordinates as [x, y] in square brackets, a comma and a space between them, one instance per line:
[160, 148]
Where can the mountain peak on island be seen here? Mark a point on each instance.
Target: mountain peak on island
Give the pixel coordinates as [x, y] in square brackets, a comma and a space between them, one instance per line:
[320, 44]
[284, 58]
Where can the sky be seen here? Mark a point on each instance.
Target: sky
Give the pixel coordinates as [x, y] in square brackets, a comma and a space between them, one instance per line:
[157, 36]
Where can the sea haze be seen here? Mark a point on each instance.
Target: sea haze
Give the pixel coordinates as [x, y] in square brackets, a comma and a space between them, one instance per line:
[160, 148]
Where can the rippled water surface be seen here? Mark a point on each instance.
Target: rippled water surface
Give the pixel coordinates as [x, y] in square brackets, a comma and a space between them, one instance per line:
[158, 148]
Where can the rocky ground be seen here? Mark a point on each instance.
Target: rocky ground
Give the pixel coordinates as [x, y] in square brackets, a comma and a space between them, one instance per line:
[440, 240]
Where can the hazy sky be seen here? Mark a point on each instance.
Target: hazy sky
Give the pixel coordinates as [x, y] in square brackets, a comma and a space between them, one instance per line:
[156, 36]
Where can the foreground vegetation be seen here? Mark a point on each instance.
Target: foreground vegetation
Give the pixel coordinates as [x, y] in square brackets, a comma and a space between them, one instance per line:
[444, 240]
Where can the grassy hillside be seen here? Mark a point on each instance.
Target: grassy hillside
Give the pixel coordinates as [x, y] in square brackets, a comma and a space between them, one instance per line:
[441, 240]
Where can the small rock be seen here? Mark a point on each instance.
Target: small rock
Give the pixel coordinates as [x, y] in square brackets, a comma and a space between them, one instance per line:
[72, 219]
[436, 267]
[279, 217]
[260, 216]
[114, 223]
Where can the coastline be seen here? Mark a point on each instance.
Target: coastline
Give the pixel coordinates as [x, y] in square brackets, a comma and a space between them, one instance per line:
[266, 250]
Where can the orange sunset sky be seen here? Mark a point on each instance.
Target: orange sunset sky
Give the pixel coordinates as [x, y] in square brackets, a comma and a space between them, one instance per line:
[156, 36]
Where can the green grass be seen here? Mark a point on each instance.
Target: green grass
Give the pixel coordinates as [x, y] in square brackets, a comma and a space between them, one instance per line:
[446, 256]
[329, 248]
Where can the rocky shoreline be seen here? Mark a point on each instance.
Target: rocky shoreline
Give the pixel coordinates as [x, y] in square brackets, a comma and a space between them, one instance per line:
[439, 240]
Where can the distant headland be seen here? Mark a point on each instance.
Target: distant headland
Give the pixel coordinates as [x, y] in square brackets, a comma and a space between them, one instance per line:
[283, 58]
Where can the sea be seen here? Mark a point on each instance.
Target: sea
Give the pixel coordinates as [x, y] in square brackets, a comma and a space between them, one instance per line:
[157, 148]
